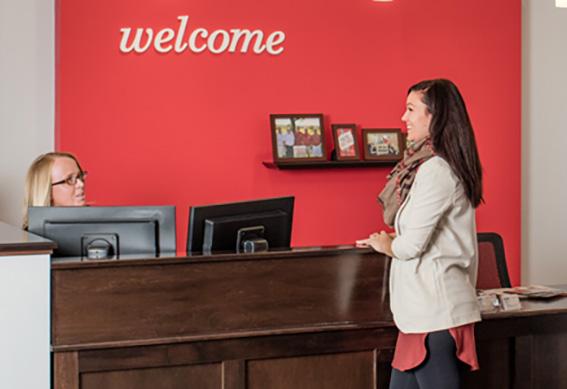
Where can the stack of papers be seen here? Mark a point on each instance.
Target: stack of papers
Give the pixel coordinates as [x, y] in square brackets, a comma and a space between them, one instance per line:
[536, 291]
[508, 299]
[530, 291]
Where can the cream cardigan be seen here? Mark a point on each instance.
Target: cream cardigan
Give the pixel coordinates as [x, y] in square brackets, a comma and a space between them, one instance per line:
[434, 265]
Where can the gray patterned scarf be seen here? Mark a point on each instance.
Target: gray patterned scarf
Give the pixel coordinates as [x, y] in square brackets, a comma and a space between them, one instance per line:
[401, 178]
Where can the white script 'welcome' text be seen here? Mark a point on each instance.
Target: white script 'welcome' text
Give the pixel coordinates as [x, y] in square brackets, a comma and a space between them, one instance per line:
[200, 40]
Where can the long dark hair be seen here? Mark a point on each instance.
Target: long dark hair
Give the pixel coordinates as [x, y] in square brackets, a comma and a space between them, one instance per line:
[452, 134]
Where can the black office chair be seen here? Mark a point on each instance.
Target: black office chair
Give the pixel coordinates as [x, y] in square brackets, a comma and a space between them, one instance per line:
[492, 268]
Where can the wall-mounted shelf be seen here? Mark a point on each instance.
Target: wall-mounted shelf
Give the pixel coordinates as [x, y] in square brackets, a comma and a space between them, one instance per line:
[327, 164]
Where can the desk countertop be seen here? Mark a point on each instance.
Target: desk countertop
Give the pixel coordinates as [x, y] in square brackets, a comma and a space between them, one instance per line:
[15, 241]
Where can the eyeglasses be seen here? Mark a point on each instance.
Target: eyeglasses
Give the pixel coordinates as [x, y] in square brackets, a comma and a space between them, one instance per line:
[72, 180]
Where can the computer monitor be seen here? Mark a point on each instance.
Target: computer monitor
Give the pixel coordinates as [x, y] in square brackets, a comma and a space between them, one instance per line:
[247, 226]
[106, 232]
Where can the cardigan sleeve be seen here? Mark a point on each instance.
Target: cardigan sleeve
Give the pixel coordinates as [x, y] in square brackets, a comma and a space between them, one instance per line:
[431, 196]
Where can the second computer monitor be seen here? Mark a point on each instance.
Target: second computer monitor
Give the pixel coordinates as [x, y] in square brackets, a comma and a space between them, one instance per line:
[246, 226]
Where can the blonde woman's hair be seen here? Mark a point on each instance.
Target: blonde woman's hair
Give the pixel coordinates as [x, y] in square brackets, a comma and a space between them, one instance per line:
[37, 191]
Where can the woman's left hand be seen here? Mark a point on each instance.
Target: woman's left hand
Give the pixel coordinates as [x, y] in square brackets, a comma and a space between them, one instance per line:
[381, 242]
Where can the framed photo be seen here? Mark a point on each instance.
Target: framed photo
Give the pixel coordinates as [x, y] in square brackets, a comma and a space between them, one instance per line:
[385, 144]
[346, 144]
[298, 137]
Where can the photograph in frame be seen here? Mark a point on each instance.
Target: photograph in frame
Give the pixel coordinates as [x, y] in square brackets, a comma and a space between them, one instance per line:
[298, 137]
[383, 144]
[346, 143]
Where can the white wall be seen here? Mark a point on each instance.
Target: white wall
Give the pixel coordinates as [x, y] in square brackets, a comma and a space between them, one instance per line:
[24, 327]
[544, 138]
[27, 90]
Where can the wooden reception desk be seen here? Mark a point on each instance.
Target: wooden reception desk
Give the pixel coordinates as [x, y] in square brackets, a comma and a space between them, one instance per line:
[311, 318]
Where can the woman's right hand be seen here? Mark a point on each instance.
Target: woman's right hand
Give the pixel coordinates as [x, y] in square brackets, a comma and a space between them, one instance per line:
[381, 242]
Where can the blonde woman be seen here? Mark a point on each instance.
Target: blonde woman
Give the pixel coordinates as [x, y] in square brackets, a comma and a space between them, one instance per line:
[54, 179]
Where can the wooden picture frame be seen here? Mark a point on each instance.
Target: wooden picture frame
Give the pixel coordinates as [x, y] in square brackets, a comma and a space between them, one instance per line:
[298, 138]
[383, 144]
[346, 142]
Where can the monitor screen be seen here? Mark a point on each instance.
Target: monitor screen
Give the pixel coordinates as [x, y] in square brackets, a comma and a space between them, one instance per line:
[246, 226]
[106, 232]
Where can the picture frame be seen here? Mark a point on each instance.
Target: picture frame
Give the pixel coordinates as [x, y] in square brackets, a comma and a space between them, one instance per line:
[298, 138]
[346, 142]
[383, 144]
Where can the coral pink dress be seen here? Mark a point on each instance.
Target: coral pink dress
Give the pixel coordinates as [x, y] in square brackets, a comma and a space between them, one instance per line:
[411, 352]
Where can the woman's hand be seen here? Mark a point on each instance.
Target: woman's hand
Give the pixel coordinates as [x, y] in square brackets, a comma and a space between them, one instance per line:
[381, 242]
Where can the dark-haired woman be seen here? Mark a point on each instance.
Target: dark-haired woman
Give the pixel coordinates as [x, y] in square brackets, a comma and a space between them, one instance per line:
[430, 200]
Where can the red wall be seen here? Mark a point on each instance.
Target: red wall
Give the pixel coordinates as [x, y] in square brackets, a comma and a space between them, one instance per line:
[191, 128]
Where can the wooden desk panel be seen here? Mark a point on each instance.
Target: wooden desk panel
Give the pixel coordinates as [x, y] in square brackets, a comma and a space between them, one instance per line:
[297, 320]
[147, 302]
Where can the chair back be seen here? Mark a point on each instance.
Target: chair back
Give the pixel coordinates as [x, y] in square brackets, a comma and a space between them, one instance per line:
[492, 268]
